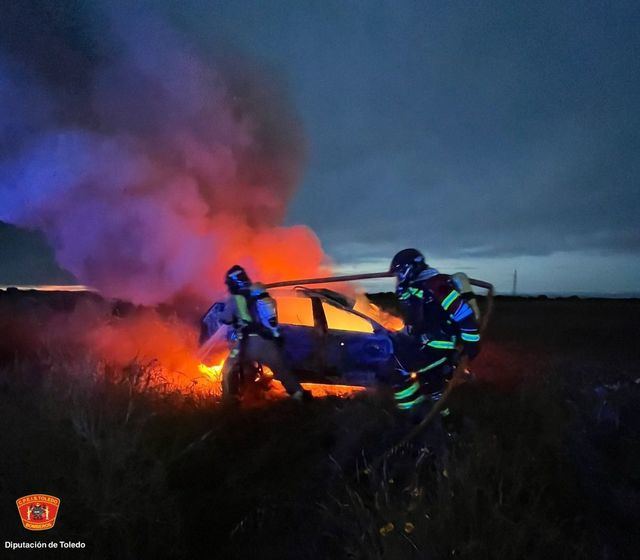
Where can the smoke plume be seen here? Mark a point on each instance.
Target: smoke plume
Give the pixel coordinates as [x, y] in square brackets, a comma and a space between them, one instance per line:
[150, 164]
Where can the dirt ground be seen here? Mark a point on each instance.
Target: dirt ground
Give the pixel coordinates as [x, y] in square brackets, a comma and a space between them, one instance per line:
[539, 458]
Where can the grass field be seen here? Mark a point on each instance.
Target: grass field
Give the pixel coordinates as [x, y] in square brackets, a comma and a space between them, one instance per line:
[540, 458]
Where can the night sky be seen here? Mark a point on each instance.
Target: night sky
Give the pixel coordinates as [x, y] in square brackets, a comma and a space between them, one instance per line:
[492, 135]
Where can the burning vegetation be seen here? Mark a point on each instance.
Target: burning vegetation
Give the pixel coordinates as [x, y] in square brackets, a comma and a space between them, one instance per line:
[119, 335]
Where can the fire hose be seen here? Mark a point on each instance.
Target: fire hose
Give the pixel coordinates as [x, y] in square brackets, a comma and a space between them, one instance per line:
[458, 378]
[459, 375]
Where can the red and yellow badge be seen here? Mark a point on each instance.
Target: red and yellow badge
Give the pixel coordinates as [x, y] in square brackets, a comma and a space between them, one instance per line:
[38, 511]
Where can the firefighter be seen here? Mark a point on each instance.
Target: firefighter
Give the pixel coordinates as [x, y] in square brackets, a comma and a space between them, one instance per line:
[441, 328]
[251, 312]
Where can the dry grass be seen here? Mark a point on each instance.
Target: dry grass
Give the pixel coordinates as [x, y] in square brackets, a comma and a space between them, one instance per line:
[538, 464]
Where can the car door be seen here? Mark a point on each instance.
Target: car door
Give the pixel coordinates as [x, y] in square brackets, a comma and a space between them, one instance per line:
[357, 350]
[303, 337]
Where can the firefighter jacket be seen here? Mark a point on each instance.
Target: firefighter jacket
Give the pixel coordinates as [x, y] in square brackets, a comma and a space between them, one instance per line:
[236, 313]
[437, 315]
[250, 312]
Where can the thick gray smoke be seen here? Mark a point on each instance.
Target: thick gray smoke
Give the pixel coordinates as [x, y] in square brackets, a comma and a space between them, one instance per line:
[150, 164]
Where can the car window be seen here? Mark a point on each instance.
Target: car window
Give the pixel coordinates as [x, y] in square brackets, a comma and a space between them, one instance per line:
[341, 320]
[380, 316]
[295, 311]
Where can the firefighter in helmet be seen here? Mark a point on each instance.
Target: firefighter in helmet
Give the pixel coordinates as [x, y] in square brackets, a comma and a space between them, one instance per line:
[441, 327]
[251, 312]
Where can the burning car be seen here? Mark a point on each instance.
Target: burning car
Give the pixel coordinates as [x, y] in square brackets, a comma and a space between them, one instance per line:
[334, 339]
[328, 337]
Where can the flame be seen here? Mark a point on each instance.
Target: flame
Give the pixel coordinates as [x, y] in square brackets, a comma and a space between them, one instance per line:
[295, 310]
[341, 320]
[167, 347]
[384, 318]
[214, 373]
[318, 390]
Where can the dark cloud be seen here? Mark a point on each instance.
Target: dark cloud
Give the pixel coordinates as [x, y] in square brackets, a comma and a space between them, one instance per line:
[496, 129]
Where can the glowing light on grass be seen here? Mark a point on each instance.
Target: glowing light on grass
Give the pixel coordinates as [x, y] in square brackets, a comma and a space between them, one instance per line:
[331, 390]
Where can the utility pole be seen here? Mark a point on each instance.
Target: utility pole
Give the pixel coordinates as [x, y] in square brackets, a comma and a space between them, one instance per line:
[515, 281]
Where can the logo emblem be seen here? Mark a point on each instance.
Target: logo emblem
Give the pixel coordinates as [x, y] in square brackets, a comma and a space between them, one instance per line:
[38, 511]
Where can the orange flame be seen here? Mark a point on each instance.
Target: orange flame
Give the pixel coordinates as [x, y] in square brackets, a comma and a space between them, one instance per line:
[384, 318]
[212, 372]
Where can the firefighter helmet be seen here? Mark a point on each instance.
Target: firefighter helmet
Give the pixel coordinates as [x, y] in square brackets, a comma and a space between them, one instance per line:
[237, 279]
[407, 265]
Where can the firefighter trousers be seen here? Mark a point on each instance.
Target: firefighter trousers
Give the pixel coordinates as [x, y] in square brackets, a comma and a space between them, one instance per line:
[254, 348]
[417, 391]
